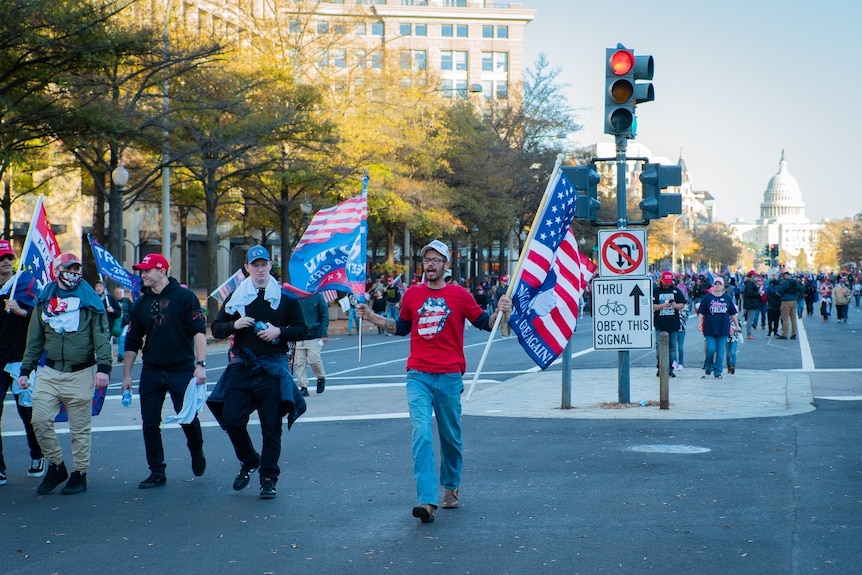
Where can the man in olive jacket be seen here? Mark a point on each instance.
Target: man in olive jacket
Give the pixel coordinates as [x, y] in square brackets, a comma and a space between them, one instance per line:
[70, 324]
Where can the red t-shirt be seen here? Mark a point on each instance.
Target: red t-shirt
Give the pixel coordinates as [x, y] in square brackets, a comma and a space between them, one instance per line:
[437, 331]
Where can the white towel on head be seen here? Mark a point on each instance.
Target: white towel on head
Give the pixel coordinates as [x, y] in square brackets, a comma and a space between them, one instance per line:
[193, 402]
[246, 292]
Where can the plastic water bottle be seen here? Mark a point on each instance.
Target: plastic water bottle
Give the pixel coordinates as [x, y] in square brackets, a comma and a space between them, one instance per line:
[127, 398]
[259, 326]
[25, 398]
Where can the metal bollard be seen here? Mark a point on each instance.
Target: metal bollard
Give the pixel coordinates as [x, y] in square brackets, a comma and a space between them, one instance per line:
[663, 369]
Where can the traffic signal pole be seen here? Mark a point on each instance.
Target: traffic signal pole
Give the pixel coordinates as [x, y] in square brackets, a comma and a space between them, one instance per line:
[623, 371]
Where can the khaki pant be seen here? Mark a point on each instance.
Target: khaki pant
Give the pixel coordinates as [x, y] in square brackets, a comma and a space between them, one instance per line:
[75, 391]
[788, 317]
[307, 353]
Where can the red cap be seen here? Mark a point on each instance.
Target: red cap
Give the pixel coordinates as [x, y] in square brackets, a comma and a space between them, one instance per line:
[666, 277]
[65, 261]
[152, 261]
[6, 249]
[752, 273]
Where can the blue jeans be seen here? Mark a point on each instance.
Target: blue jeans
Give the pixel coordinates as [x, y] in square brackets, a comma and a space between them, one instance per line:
[731, 353]
[715, 347]
[154, 385]
[673, 347]
[751, 317]
[439, 393]
[680, 347]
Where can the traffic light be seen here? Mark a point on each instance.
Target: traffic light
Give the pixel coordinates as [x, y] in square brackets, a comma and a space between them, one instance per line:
[655, 178]
[773, 250]
[622, 92]
[766, 251]
[585, 180]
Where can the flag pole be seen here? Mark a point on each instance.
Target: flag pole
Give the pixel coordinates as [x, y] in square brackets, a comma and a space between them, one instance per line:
[518, 269]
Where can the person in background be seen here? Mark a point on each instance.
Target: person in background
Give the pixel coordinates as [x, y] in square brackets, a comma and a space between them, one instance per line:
[499, 292]
[15, 310]
[481, 297]
[841, 295]
[716, 313]
[683, 320]
[751, 303]
[773, 307]
[169, 328]
[667, 300]
[125, 305]
[788, 288]
[307, 353]
[378, 305]
[826, 298]
[434, 314]
[352, 322]
[70, 326]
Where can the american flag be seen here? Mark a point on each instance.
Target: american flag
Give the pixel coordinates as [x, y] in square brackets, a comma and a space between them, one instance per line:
[332, 252]
[552, 278]
[221, 292]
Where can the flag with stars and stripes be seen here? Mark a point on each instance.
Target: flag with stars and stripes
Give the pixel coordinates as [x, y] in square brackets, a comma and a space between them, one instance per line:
[552, 278]
[332, 252]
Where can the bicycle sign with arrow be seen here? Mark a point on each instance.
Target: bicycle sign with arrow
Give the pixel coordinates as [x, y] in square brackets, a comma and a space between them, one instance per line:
[622, 313]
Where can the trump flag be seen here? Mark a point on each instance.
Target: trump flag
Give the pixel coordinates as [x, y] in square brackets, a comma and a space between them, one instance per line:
[108, 266]
[332, 252]
[40, 247]
[552, 278]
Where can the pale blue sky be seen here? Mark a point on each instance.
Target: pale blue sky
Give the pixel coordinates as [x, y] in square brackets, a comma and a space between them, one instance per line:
[735, 82]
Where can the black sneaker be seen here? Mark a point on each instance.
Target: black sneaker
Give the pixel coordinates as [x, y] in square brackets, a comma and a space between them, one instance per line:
[267, 488]
[55, 475]
[154, 480]
[242, 478]
[321, 384]
[199, 462]
[37, 468]
[77, 483]
[305, 392]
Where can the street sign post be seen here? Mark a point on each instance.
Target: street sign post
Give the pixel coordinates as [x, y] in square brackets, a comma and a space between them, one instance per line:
[622, 313]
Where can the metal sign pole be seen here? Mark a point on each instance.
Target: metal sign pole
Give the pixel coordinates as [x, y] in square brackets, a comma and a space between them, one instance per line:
[623, 375]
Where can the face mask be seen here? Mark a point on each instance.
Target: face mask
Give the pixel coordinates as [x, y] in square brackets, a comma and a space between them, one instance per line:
[69, 280]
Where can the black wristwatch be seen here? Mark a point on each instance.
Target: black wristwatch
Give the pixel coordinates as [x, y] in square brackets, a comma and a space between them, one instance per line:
[201, 363]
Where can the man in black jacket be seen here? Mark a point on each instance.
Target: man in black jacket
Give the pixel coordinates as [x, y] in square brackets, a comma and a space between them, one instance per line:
[262, 320]
[168, 323]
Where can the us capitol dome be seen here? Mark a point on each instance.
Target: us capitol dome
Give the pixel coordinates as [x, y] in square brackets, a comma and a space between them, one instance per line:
[782, 200]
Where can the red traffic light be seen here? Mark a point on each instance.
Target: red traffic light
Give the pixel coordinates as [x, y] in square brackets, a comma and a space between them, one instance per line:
[621, 62]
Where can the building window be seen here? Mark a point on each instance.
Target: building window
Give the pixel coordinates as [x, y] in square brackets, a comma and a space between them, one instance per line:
[460, 60]
[323, 58]
[446, 60]
[361, 29]
[323, 27]
[501, 89]
[294, 27]
[414, 60]
[502, 31]
[461, 30]
[406, 29]
[453, 88]
[421, 30]
[495, 61]
[446, 30]
[361, 57]
[487, 31]
[377, 28]
[377, 59]
[339, 57]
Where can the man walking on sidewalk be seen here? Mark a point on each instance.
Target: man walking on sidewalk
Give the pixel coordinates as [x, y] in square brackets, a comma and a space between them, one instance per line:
[787, 290]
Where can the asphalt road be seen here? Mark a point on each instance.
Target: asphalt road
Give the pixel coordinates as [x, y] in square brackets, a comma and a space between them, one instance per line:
[540, 495]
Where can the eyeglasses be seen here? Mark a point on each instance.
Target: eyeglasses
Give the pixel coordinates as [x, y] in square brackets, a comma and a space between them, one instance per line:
[9, 257]
[435, 261]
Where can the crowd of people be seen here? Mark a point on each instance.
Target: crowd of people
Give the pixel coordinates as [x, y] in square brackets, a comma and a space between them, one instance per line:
[725, 303]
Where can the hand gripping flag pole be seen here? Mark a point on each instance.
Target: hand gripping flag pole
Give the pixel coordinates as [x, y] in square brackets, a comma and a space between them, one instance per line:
[518, 270]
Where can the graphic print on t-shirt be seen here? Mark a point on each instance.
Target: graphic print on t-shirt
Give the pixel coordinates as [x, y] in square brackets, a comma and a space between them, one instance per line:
[432, 317]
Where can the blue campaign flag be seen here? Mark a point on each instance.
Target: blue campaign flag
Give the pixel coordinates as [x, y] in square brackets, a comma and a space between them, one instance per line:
[109, 267]
[332, 252]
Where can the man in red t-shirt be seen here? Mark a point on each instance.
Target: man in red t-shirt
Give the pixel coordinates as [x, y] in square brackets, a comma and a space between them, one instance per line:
[434, 314]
